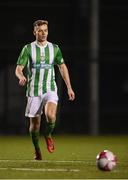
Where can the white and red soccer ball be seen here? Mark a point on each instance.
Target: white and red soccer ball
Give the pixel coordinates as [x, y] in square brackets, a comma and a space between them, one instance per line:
[106, 160]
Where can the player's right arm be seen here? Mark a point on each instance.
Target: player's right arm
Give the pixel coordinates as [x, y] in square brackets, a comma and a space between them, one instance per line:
[20, 75]
[21, 63]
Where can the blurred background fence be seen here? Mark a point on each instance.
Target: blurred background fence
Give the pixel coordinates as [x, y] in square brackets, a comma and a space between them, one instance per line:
[93, 37]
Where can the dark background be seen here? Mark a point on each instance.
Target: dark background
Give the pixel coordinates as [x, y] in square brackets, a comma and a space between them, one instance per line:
[70, 27]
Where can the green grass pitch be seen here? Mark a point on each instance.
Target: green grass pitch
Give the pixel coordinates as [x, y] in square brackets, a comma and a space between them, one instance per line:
[74, 158]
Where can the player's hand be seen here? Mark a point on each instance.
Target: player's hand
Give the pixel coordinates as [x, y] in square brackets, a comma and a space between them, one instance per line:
[71, 94]
[22, 81]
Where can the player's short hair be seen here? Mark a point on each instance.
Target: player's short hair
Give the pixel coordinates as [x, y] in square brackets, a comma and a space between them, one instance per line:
[40, 22]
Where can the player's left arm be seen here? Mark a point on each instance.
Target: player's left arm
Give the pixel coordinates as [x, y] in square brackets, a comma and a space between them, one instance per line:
[65, 75]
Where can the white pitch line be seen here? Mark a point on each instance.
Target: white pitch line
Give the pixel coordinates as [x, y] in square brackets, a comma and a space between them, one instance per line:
[44, 161]
[41, 170]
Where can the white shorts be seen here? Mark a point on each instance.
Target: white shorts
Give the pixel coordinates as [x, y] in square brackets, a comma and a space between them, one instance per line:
[35, 105]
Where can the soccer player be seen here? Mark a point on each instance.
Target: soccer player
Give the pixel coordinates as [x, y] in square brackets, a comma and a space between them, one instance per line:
[40, 57]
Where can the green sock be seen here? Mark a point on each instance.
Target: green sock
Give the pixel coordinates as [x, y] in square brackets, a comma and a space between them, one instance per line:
[35, 139]
[49, 128]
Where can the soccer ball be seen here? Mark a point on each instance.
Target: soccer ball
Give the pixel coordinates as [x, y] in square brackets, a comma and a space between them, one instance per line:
[106, 160]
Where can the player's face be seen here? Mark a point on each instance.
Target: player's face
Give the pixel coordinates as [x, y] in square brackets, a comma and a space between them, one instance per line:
[41, 33]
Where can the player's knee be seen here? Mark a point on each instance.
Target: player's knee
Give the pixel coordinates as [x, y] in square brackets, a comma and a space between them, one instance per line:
[34, 127]
[34, 124]
[37, 126]
[51, 116]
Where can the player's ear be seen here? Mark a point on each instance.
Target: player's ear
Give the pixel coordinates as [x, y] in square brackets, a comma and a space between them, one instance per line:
[34, 33]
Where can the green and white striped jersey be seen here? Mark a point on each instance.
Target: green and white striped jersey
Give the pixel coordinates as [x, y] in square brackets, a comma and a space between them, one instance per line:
[40, 61]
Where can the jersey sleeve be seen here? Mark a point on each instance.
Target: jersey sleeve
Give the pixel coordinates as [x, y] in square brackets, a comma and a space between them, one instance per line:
[59, 58]
[23, 57]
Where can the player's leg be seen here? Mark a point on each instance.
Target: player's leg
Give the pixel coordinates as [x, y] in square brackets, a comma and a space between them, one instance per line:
[34, 129]
[50, 113]
[50, 107]
[33, 111]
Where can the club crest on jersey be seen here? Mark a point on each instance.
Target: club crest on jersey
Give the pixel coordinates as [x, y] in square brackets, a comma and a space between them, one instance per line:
[42, 57]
